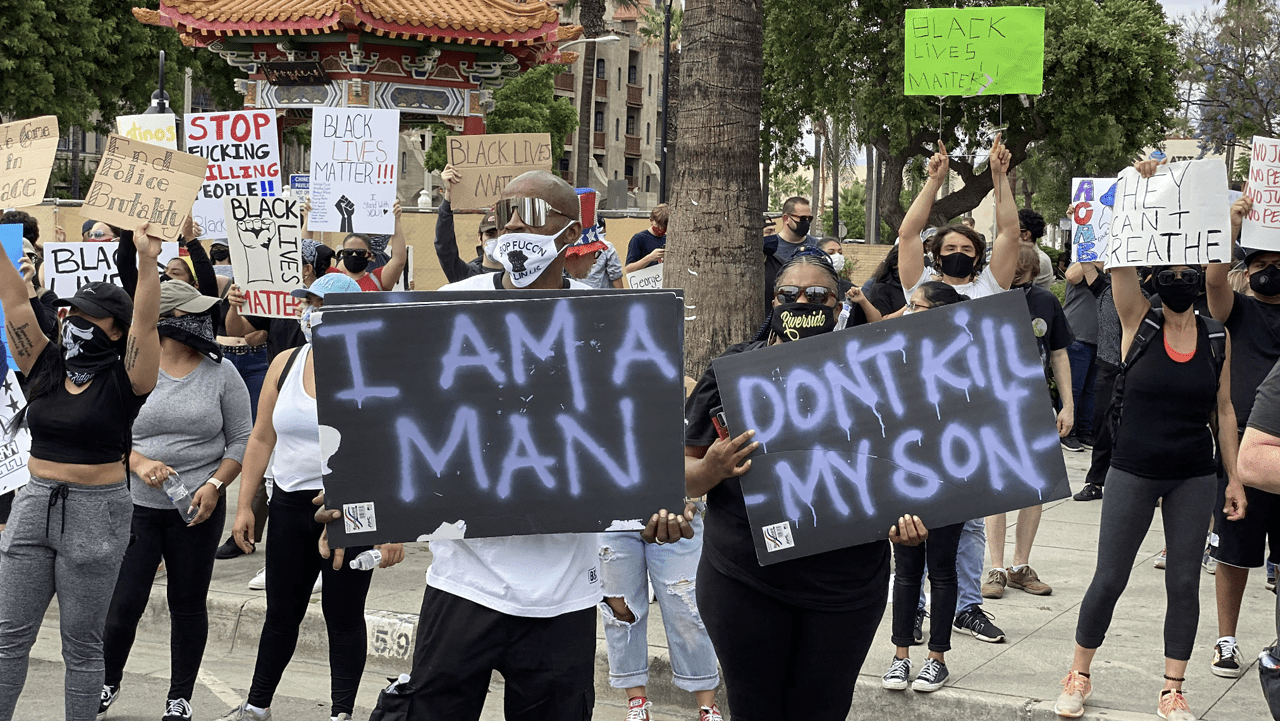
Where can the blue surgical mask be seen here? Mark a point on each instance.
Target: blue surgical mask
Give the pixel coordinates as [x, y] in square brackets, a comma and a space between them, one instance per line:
[304, 320]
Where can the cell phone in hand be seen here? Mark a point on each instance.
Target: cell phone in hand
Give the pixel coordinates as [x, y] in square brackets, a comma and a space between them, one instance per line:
[721, 424]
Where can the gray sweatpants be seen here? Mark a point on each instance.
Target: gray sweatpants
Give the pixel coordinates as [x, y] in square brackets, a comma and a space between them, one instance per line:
[66, 539]
[1127, 509]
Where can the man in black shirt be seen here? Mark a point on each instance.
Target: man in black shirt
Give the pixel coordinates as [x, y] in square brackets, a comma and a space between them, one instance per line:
[793, 231]
[650, 245]
[447, 241]
[1254, 325]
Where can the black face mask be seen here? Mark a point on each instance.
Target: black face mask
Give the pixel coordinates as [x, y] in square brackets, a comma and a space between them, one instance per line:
[956, 265]
[219, 254]
[194, 330]
[355, 263]
[1176, 297]
[802, 226]
[86, 349]
[1266, 281]
[793, 321]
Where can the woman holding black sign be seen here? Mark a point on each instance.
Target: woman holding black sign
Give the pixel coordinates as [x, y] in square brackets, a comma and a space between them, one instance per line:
[1174, 379]
[791, 637]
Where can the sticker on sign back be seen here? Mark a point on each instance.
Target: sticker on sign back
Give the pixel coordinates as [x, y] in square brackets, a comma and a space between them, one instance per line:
[778, 536]
[359, 517]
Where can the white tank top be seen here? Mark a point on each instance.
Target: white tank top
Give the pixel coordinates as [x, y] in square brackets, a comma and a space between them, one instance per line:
[297, 461]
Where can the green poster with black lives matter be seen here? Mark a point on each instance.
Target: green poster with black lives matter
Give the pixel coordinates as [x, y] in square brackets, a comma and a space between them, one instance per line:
[974, 51]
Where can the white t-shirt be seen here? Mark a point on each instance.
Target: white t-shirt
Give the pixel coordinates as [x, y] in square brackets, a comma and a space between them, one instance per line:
[981, 287]
[530, 576]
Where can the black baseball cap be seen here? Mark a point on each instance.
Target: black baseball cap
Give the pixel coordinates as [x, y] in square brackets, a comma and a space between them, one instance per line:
[87, 226]
[1251, 253]
[102, 300]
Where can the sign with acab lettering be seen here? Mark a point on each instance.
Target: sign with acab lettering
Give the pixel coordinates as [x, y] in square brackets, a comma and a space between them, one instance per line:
[1261, 229]
[519, 412]
[68, 266]
[354, 170]
[974, 51]
[488, 162]
[1091, 201]
[1181, 215]
[139, 182]
[27, 148]
[264, 239]
[243, 151]
[944, 415]
[158, 129]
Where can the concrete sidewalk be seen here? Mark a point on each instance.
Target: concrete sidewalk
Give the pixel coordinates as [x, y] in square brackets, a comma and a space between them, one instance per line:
[1014, 680]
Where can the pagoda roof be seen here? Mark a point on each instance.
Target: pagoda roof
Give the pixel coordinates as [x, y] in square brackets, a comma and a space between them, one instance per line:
[464, 21]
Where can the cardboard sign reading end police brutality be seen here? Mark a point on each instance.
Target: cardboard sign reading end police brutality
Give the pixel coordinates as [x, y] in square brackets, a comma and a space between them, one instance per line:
[1181, 215]
[140, 183]
[488, 162]
[27, 151]
[944, 415]
[494, 413]
[263, 236]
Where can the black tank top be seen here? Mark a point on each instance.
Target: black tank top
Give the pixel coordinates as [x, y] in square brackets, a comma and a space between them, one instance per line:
[91, 427]
[1164, 425]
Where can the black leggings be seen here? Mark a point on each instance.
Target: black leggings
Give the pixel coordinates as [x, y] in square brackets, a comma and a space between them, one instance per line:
[1126, 515]
[188, 563]
[908, 575]
[293, 561]
[782, 662]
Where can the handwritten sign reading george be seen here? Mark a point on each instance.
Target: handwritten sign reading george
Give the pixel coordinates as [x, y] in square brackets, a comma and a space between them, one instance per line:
[27, 148]
[68, 266]
[975, 51]
[263, 237]
[488, 162]
[647, 278]
[243, 151]
[354, 170]
[527, 412]
[159, 129]
[944, 415]
[139, 182]
[1261, 228]
[1180, 215]
[1091, 202]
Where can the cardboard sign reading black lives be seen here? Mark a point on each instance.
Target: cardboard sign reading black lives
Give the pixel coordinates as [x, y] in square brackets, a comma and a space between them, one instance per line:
[499, 413]
[945, 415]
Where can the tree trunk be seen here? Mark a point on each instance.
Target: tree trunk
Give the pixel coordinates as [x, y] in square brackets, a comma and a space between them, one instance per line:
[713, 251]
[765, 170]
[591, 17]
[673, 108]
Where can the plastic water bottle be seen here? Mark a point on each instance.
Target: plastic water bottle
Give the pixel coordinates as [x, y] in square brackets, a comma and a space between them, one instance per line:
[180, 496]
[843, 319]
[367, 561]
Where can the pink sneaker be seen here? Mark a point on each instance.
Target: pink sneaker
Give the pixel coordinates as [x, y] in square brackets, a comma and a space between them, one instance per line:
[638, 709]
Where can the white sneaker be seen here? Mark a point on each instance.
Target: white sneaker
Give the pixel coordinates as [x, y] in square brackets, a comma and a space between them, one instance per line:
[243, 713]
[259, 582]
[319, 583]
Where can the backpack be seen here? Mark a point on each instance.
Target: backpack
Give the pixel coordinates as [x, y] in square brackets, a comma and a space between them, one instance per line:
[284, 373]
[1148, 330]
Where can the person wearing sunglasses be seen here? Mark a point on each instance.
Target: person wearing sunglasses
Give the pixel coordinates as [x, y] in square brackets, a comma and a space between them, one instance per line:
[1164, 451]
[793, 232]
[447, 243]
[101, 233]
[792, 636]
[958, 251]
[1254, 323]
[357, 253]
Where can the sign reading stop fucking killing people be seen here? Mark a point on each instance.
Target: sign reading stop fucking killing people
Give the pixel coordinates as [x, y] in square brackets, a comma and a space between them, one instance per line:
[499, 413]
[944, 415]
[974, 51]
[243, 151]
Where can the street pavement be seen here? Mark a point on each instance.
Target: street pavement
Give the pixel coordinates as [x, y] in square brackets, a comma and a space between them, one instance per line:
[1015, 680]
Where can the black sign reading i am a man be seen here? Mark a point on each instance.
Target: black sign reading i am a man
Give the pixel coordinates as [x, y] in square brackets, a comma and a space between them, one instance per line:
[499, 413]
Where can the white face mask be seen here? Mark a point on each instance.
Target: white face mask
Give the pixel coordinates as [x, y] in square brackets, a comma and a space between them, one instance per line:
[525, 255]
[304, 320]
[489, 246]
[837, 261]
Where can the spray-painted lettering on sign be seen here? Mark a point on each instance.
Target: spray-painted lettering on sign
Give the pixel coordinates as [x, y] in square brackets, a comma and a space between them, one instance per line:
[508, 416]
[266, 253]
[945, 415]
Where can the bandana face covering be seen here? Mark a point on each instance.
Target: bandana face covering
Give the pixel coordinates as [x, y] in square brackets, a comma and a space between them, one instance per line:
[793, 321]
[194, 330]
[86, 349]
[526, 255]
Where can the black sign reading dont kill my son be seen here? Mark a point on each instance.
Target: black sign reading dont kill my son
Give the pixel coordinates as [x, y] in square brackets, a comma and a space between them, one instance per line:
[499, 413]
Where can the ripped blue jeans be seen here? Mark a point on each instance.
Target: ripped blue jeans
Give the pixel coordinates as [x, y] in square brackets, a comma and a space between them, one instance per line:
[627, 563]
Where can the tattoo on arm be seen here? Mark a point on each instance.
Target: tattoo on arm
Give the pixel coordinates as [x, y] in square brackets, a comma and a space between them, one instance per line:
[131, 354]
[21, 339]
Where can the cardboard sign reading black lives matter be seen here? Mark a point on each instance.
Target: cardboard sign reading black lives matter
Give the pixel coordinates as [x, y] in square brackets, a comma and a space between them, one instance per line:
[499, 413]
[944, 415]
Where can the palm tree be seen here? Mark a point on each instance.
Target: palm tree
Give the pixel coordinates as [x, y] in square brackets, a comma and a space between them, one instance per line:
[591, 18]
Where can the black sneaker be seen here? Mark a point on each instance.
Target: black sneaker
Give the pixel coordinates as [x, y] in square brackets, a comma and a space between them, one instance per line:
[1071, 444]
[1090, 492]
[1085, 443]
[1226, 659]
[109, 696]
[898, 677]
[918, 634]
[227, 550]
[978, 623]
[932, 676]
[178, 709]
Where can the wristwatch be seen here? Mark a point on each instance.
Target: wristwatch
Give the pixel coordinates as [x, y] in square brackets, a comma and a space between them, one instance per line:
[219, 485]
